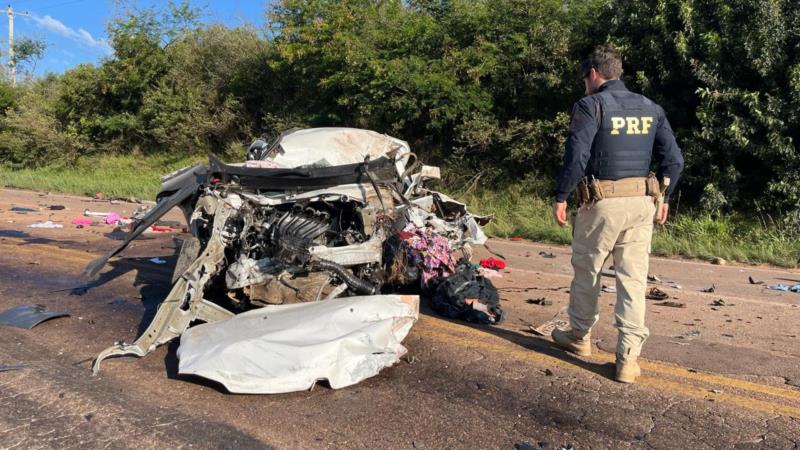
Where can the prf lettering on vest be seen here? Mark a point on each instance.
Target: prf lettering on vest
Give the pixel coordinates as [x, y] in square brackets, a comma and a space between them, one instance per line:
[632, 125]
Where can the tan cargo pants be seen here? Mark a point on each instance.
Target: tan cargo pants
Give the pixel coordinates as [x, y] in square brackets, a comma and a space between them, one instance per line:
[622, 226]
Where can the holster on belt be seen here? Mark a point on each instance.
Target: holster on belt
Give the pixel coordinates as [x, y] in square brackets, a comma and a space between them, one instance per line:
[657, 190]
[588, 191]
[582, 196]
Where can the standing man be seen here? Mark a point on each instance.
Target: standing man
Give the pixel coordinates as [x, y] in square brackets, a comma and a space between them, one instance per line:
[613, 136]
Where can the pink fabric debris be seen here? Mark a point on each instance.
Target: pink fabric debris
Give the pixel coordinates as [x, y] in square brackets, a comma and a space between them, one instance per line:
[82, 221]
[112, 218]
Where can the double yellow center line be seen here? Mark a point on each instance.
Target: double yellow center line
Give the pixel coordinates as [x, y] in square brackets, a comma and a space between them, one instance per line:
[664, 377]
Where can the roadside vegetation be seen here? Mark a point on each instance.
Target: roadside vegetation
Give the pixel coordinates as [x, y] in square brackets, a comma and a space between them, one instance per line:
[480, 87]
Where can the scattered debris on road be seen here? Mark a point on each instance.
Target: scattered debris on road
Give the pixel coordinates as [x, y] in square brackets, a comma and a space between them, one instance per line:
[721, 302]
[752, 281]
[48, 224]
[493, 263]
[539, 301]
[157, 260]
[656, 294]
[28, 316]
[23, 210]
[468, 296]
[711, 289]
[653, 279]
[8, 368]
[547, 327]
[56, 207]
[89, 213]
[784, 288]
[545, 254]
[609, 289]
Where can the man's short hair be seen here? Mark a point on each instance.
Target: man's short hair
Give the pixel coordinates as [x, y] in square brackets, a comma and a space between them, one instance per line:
[604, 59]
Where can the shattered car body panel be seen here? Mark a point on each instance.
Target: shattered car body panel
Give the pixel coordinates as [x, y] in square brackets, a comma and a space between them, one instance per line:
[284, 348]
[321, 221]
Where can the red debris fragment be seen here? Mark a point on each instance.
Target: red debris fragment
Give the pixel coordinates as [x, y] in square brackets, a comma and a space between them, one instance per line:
[493, 263]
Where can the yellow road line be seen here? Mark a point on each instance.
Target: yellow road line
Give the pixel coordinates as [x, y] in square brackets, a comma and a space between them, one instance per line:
[763, 406]
[469, 337]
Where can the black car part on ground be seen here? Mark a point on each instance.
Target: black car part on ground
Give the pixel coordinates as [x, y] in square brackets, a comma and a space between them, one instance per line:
[455, 296]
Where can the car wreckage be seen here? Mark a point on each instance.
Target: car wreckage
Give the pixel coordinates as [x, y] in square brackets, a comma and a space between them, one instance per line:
[319, 214]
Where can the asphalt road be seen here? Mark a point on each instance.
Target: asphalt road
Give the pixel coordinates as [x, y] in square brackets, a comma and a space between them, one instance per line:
[713, 376]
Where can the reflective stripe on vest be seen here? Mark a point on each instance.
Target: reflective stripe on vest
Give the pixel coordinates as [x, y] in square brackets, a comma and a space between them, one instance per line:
[623, 145]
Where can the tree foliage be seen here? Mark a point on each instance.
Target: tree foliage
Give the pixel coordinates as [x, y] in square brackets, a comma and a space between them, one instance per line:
[482, 86]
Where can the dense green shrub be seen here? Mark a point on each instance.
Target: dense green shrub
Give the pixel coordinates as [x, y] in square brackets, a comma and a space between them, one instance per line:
[482, 86]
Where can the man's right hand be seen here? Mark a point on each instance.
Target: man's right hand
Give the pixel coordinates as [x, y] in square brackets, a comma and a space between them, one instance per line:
[560, 212]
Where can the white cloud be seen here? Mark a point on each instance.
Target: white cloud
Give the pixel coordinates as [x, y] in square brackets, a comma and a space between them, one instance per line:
[80, 35]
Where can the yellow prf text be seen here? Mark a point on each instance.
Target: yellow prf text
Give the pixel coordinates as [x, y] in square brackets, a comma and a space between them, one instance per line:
[631, 125]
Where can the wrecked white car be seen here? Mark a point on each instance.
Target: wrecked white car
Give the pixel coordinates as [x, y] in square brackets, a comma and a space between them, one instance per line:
[318, 215]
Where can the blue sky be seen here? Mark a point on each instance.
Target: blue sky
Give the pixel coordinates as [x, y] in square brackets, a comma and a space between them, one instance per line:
[75, 30]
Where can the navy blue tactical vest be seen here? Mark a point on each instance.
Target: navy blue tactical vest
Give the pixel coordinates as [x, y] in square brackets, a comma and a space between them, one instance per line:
[623, 145]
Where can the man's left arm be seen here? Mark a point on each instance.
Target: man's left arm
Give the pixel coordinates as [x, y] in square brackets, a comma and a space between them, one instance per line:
[669, 158]
[582, 129]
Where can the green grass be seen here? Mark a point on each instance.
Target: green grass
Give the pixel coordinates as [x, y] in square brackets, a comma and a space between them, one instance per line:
[517, 212]
[115, 176]
[731, 237]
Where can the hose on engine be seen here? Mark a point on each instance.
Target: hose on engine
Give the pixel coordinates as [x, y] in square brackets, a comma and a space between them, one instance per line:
[360, 286]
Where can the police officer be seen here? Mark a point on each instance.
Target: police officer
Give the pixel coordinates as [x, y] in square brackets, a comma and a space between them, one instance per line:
[613, 136]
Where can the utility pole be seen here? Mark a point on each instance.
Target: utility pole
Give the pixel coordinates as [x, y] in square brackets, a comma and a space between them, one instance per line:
[12, 64]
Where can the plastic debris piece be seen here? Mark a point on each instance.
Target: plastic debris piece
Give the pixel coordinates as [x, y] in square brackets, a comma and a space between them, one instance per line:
[287, 348]
[157, 260]
[653, 279]
[22, 210]
[46, 224]
[7, 368]
[28, 316]
[56, 207]
[89, 213]
[784, 288]
[709, 289]
[159, 229]
[752, 281]
[544, 254]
